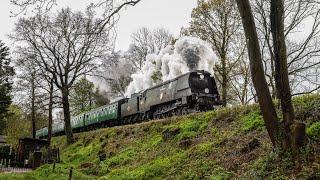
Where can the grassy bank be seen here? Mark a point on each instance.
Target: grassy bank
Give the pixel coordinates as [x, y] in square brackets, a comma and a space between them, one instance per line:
[228, 143]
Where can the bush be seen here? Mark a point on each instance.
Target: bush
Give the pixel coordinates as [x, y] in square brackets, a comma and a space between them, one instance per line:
[314, 130]
[307, 107]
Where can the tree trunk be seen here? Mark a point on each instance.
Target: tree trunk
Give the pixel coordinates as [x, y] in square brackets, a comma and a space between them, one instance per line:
[66, 113]
[33, 107]
[245, 90]
[50, 111]
[281, 70]
[257, 73]
[224, 82]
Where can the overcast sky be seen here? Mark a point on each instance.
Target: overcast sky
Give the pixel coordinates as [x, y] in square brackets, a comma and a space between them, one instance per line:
[170, 14]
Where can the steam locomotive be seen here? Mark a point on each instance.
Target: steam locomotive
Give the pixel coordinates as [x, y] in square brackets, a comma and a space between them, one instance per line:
[191, 92]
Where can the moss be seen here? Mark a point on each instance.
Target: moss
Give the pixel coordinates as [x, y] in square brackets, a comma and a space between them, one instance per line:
[313, 131]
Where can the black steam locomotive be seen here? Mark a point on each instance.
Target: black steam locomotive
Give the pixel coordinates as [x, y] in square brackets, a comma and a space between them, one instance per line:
[194, 91]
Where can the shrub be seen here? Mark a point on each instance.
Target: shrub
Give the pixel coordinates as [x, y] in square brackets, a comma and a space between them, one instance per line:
[307, 107]
[314, 130]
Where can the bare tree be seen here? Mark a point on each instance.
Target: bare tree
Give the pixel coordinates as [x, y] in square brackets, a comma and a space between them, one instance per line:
[302, 45]
[146, 41]
[67, 46]
[257, 72]
[240, 82]
[116, 72]
[284, 136]
[28, 88]
[118, 66]
[37, 6]
[52, 98]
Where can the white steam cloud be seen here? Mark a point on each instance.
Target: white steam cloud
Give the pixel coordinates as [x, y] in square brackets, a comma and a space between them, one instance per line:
[188, 53]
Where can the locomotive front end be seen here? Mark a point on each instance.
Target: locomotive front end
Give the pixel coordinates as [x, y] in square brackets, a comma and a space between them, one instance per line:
[204, 90]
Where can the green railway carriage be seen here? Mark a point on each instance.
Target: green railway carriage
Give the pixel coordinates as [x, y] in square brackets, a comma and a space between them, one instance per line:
[95, 117]
[42, 132]
[39, 133]
[57, 128]
[101, 114]
[77, 121]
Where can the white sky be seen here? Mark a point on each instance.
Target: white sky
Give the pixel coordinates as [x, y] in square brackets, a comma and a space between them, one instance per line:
[170, 14]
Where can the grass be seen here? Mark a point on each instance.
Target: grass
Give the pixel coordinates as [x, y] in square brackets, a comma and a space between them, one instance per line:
[210, 145]
[252, 121]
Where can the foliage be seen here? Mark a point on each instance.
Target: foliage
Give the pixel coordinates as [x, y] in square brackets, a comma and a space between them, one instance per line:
[6, 73]
[85, 97]
[307, 107]
[17, 125]
[100, 97]
[32, 88]
[313, 131]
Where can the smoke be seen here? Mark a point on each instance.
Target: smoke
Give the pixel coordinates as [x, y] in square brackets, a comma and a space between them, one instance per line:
[187, 54]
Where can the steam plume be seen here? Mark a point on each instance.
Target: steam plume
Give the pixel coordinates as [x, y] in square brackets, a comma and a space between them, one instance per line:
[187, 54]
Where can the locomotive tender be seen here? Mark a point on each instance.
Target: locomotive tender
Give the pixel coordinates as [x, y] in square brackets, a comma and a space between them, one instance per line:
[190, 92]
